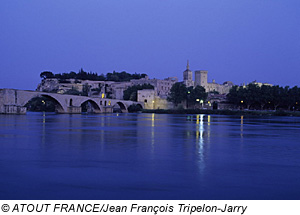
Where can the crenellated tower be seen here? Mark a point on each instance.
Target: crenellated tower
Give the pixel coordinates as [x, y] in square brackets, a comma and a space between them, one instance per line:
[201, 78]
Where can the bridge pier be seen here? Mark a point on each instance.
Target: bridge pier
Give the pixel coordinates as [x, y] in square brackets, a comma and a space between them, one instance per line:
[74, 109]
[107, 109]
[13, 109]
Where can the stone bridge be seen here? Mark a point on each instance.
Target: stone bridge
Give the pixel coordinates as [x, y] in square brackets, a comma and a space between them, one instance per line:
[13, 101]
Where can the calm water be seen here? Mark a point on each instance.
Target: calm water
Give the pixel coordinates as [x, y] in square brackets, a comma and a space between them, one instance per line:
[149, 156]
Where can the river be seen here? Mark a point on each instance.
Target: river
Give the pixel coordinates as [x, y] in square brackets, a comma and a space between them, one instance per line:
[149, 156]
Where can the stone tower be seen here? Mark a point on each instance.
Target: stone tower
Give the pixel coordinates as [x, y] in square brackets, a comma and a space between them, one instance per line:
[188, 76]
[201, 78]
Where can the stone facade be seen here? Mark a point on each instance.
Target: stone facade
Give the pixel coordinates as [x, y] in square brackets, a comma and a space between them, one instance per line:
[162, 87]
[201, 77]
[152, 100]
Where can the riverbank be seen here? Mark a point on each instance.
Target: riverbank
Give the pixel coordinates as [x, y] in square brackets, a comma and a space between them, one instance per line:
[225, 112]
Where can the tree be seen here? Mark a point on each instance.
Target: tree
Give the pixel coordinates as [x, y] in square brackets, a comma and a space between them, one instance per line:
[198, 94]
[195, 95]
[251, 95]
[265, 96]
[178, 93]
[46, 74]
[293, 97]
[83, 75]
[234, 95]
[277, 94]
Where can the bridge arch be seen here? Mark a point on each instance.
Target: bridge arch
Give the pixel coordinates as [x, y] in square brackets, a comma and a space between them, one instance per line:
[122, 106]
[90, 106]
[58, 106]
[140, 106]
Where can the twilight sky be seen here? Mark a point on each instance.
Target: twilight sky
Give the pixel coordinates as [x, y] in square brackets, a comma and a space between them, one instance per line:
[235, 40]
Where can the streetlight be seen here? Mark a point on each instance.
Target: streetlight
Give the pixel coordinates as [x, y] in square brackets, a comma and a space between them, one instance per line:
[187, 99]
[201, 102]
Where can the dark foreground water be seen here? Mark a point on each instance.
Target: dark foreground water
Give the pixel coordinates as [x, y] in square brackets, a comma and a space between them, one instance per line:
[149, 156]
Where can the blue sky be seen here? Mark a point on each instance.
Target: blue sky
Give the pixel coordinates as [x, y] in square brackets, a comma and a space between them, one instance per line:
[235, 40]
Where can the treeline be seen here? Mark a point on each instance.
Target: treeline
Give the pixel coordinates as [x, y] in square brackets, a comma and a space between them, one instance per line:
[265, 97]
[82, 75]
[179, 93]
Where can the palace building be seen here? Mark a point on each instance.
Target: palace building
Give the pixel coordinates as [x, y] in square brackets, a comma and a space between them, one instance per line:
[201, 80]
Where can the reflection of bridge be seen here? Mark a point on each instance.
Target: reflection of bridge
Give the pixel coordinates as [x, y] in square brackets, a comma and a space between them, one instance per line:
[13, 101]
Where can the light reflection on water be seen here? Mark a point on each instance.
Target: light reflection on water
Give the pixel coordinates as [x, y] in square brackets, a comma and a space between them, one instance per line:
[148, 156]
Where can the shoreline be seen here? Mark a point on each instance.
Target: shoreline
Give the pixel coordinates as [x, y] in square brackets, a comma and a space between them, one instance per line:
[224, 112]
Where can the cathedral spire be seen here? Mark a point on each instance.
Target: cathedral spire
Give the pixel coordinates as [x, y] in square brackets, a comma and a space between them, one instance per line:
[187, 65]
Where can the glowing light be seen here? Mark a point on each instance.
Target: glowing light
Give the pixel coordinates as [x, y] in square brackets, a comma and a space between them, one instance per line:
[109, 103]
[43, 102]
[200, 138]
[242, 101]
[153, 119]
[201, 119]
[44, 118]
[201, 101]
[197, 100]
[103, 95]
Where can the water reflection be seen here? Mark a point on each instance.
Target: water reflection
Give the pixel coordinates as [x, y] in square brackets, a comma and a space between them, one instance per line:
[208, 128]
[200, 140]
[152, 132]
[44, 129]
[242, 126]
